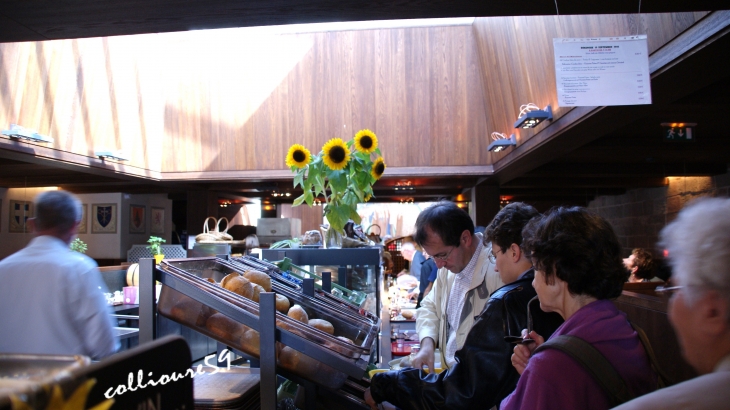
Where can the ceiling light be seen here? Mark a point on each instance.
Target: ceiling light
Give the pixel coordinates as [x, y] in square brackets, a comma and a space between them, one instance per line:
[531, 115]
[115, 155]
[16, 131]
[501, 142]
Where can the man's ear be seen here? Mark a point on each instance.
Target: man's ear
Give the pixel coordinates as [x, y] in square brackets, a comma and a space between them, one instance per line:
[634, 269]
[466, 238]
[713, 312]
[31, 224]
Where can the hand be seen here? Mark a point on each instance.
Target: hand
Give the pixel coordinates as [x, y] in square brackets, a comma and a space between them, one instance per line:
[523, 352]
[425, 356]
[369, 399]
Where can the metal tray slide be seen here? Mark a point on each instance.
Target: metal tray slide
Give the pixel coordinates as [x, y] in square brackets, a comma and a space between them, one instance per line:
[189, 298]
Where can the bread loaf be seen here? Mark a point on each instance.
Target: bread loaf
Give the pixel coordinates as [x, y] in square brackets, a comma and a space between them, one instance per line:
[282, 304]
[322, 325]
[259, 278]
[298, 313]
[224, 327]
[408, 314]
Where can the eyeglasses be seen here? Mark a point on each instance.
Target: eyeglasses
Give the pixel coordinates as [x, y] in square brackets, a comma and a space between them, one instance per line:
[510, 337]
[492, 257]
[445, 257]
[663, 289]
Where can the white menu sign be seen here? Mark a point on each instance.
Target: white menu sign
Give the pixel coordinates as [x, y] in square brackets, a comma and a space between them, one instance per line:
[602, 71]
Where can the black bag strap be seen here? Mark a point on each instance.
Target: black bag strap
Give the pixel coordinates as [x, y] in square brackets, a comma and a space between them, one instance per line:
[663, 380]
[594, 362]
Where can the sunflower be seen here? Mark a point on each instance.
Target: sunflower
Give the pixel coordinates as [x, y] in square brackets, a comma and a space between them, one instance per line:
[367, 197]
[366, 141]
[378, 168]
[335, 154]
[298, 156]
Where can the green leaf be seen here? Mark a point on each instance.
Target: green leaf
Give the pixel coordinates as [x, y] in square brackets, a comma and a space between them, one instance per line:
[350, 199]
[308, 197]
[299, 179]
[377, 151]
[338, 180]
[354, 215]
[299, 200]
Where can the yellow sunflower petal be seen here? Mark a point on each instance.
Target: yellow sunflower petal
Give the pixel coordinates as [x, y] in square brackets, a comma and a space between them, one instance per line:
[367, 197]
[366, 141]
[335, 154]
[298, 156]
[79, 396]
[378, 168]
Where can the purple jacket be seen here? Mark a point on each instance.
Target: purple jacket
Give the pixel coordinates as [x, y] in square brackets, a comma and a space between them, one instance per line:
[553, 380]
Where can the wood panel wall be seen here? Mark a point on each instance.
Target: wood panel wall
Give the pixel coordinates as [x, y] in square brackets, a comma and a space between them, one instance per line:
[229, 100]
[418, 89]
[516, 57]
[87, 94]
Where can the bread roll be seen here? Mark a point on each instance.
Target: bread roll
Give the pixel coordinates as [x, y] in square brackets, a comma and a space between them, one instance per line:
[191, 312]
[211, 280]
[344, 339]
[251, 342]
[289, 358]
[257, 289]
[282, 304]
[259, 278]
[408, 314]
[228, 277]
[322, 325]
[240, 285]
[224, 327]
[298, 313]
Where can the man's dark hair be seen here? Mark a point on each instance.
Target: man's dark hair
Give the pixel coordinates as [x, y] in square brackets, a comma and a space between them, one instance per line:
[578, 247]
[644, 261]
[446, 220]
[506, 227]
[58, 210]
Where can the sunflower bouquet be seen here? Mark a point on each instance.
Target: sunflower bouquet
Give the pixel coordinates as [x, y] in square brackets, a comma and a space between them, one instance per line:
[343, 173]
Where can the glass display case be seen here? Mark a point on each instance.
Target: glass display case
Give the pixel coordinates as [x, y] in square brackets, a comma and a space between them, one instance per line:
[357, 269]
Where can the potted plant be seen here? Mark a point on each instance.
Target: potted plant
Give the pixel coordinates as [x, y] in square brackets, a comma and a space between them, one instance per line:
[343, 173]
[156, 247]
[78, 245]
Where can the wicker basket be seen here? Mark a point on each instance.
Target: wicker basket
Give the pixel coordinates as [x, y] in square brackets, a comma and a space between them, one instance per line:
[209, 236]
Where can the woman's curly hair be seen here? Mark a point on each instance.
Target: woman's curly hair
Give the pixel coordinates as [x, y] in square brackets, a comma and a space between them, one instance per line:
[578, 247]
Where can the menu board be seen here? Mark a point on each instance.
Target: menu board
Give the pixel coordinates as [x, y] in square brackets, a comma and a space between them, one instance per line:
[602, 71]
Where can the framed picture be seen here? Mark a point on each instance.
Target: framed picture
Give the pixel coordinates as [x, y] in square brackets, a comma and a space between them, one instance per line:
[137, 221]
[157, 221]
[19, 213]
[83, 227]
[104, 218]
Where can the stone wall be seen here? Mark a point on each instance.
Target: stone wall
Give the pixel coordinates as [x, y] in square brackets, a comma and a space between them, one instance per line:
[639, 215]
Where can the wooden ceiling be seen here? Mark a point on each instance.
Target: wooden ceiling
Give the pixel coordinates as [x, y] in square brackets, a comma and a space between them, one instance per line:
[609, 152]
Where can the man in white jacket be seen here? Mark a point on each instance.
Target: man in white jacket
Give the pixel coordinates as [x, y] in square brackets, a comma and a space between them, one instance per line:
[465, 280]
